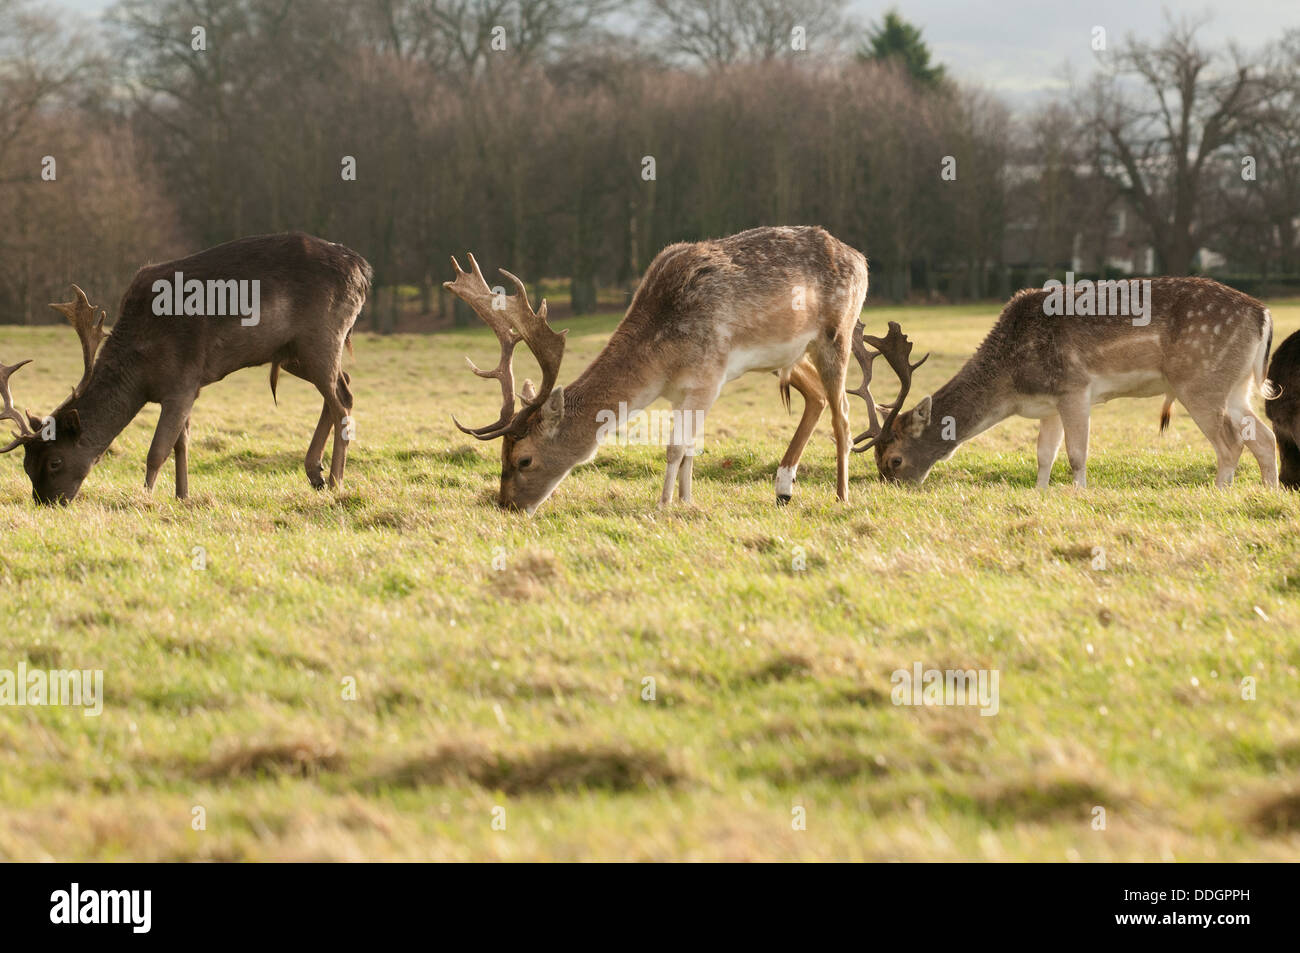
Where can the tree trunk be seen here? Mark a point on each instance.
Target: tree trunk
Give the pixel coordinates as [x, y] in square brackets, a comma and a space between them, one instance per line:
[582, 289]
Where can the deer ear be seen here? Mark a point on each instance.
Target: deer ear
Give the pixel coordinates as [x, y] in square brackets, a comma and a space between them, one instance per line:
[68, 422]
[552, 411]
[921, 416]
[529, 393]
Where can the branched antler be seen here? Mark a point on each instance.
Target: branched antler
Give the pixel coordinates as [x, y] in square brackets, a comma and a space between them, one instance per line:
[513, 320]
[88, 321]
[473, 290]
[8, 413]
[897, 349]
[866, 359]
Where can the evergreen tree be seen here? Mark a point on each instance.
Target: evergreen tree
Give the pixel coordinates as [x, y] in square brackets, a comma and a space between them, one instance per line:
[895, 39]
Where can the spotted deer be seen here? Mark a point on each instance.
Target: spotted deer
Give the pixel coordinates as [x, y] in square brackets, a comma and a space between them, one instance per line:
[768, 299]
[309, 293]
[1200, 343]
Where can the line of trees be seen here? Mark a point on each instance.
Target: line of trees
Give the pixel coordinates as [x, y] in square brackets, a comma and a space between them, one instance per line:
[573, 139]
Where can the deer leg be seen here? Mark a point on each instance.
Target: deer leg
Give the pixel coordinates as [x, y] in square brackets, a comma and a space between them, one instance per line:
[684, 475]
[316, 449]
[688, 417]
[338, 403]
[842, 445]
[1290, 453]
[1224, 435]
[1258, 438]
[182, 453]
[1074, 411]
[171, 423]
[832, 363]
[674, 456]
[804, 379]
[1050, 432]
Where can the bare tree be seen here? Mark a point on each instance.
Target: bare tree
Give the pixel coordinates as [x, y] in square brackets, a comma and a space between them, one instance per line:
[1166, 113]
[38, 62]
[458, 37]
[721, 32]
[1265, 195]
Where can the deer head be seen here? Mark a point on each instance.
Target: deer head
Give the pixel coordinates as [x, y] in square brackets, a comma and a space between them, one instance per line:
[534, 457]
[902, 452]
[54, 458]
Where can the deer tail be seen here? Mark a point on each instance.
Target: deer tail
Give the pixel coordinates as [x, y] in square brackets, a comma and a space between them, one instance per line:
[1166, 412]
[1267, 388]
[275, 380]
[784, 377]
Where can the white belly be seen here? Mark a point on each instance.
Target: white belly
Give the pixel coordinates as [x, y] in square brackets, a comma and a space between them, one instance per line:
[766, 357]
[1101, 388]
[1035, 407]
[1106, 387]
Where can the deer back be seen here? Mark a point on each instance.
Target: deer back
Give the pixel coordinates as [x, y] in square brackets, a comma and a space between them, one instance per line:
[306, 293]
[1186, 330]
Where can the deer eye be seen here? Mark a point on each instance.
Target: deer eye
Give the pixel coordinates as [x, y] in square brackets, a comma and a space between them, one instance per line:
[525, 462]
[55, 465]
[895, 462]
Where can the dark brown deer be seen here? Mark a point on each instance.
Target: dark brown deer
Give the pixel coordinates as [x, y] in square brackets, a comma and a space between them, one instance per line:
[1199, 342]
[288, 300]
[769, 299]
[1283, 407]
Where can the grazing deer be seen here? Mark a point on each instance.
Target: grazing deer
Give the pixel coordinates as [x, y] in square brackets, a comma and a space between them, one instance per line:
[1283, 407]
[178, 331]
[705, 313]
[1201, 343]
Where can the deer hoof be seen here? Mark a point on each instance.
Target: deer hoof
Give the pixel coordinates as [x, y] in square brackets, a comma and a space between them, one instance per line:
[782, 499]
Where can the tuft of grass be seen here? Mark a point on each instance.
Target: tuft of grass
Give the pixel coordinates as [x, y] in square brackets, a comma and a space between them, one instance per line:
[565, 769]
[1277, 814]
[302, 757]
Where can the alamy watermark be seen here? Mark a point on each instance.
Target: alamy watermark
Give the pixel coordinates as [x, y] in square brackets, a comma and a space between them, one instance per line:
[655, 427]
[214, 298]
[950, 687]
[56, 688]
[133, 908]
[1130, 297]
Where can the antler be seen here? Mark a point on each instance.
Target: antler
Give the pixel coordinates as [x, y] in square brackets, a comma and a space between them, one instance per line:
[89, 324]
[8, 413]
[513, 320]
[473, 290]
[897, 349]
[866, 359]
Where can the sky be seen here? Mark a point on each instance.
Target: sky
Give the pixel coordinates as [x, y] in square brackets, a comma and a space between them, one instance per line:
[1023, 48]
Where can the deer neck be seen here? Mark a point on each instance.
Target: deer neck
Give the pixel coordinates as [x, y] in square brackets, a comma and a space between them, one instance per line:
[619, 381]
[975, 399]
[113, 396]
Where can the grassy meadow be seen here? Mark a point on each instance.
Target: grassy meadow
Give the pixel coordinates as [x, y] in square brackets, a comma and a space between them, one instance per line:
[511, 695]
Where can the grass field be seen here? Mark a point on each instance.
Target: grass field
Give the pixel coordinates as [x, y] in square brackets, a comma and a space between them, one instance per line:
[521, 689]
